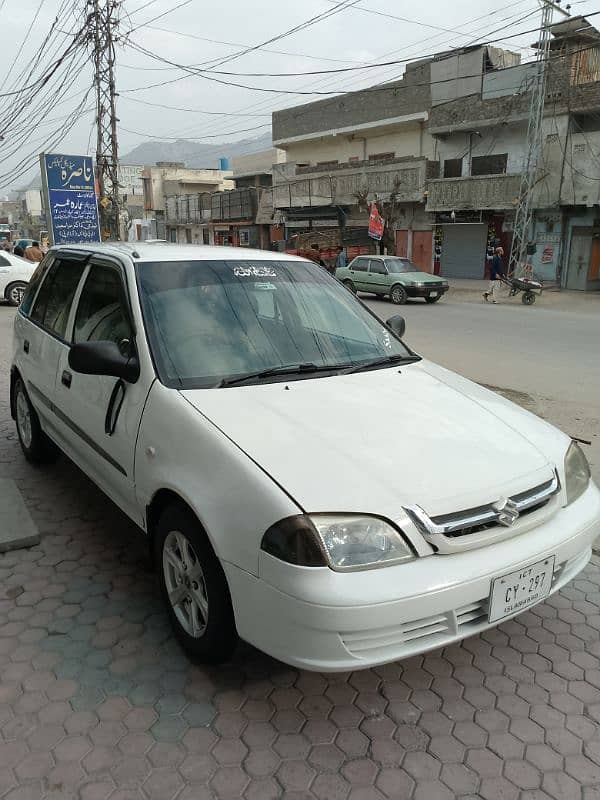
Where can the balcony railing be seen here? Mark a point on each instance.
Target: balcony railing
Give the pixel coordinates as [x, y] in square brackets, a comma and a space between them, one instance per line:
[345, 184]
[481, 192]
[188, 209]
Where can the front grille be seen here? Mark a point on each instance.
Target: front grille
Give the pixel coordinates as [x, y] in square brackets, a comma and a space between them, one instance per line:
[485, 517]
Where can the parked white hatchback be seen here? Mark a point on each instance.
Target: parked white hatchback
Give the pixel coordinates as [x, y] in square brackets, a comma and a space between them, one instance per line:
[15, 274]
[307, 482]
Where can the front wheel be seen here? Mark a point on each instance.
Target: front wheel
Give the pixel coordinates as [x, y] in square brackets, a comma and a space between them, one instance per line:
[194, 587]
[15, 292]
[528, 299]
[433, 298]
[398, 295]
[350, 286]
[36, 446]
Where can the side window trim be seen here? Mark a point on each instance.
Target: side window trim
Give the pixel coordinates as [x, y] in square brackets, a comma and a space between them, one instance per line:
[46, 266]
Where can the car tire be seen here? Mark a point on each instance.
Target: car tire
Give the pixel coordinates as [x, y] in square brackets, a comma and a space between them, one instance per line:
[194, 587]
[433, 299]
[528, 299]
[14, 293]
[36, 446]
[350, 286]
[398, 294]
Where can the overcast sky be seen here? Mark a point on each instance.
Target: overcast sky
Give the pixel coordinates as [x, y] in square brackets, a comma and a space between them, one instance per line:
[347, 38]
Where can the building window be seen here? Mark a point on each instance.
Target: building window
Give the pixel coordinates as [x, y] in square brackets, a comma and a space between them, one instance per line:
[244, 238]
[489, 165]
[326, 164]
[352, 159]
[453, 167]
[381, 156]
[584, 123]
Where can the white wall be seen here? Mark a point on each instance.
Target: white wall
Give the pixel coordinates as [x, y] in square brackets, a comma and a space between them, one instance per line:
[493, 141]
[409, 140]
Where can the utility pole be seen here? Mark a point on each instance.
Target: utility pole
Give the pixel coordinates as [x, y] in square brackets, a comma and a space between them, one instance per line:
[523, 226]
[104, 24]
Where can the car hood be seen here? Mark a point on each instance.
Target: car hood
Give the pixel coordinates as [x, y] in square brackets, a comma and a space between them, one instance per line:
[373, 442]
[419, 277]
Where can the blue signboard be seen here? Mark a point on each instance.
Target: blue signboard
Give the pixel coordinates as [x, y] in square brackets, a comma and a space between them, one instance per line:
[70, 194]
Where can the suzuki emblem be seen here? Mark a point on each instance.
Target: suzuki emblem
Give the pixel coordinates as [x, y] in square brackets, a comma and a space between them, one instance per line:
[507, 511]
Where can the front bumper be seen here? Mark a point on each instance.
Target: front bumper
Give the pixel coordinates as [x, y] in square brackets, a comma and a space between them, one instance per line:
[425, 291]
[317, 619]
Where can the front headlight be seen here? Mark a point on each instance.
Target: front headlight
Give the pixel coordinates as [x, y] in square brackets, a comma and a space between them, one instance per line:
[341, 541]
[577, 473]
[360, 542]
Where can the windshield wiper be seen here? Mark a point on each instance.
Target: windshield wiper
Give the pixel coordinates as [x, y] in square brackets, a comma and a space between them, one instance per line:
[287, 369]
[384, 361]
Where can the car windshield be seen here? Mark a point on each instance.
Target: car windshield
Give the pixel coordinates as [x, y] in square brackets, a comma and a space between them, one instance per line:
[213, 321]
[395, 265]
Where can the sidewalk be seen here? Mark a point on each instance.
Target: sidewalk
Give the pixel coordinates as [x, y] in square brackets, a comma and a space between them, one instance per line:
[470, 291]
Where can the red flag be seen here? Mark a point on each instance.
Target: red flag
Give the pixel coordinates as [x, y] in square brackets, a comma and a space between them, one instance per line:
[376, 223]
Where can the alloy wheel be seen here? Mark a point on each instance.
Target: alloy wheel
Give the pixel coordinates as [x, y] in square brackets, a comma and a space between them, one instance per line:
[24, 418]
[185, 583]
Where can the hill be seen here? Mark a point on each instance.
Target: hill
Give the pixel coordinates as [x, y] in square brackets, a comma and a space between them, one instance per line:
[193, 154]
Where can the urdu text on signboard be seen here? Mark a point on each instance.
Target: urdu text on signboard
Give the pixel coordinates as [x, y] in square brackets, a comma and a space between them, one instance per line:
[70, 196]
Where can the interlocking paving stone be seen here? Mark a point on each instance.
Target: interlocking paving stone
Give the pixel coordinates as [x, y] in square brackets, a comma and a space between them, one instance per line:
[97, 702]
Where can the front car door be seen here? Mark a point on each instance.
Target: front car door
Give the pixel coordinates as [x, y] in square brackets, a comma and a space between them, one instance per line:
[378, 277]
[103, 413]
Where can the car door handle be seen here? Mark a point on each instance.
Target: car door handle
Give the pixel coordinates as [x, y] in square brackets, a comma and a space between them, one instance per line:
[26, 345]
[66, 379]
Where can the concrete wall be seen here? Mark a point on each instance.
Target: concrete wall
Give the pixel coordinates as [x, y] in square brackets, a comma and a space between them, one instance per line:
[492, 141]
[177, 181]
[257, 163]
[407, 140]
[457, 76]
[406, 96]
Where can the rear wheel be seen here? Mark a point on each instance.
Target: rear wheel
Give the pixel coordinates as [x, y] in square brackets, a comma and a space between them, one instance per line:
[36, 446]
[398, 294]
[528, 298]
[14, 292]
[433, 298]
[194, 587]
[350, 286]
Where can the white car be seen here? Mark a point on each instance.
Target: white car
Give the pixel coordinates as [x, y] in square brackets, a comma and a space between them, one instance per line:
[15, 274]
[306, 481]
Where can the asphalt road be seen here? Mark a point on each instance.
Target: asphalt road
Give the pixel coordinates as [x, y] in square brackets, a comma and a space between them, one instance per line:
[545, 359]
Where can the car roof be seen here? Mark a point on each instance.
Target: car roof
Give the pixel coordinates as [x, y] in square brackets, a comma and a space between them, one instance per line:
[166, 251]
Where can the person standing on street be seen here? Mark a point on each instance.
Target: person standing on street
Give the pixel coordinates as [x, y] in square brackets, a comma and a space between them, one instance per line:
[496, 272]
[340, 261]
[34, 253]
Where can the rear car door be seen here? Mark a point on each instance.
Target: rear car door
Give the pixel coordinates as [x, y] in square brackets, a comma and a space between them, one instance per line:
[359, 273]
[378, 276]
[103, 413]
[40, 333]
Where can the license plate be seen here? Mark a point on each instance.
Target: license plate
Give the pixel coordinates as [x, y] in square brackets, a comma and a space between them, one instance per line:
[518, 590]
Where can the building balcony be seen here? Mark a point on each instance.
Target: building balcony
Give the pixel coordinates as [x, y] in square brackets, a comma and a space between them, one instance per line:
[350, 182]
[481, 192]
[188, 209]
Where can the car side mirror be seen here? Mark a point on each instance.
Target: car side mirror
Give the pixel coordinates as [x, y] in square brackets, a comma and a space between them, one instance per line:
[104, 358]
[397, 325]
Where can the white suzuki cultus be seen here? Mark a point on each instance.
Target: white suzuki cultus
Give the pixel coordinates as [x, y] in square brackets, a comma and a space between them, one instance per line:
[307, 482]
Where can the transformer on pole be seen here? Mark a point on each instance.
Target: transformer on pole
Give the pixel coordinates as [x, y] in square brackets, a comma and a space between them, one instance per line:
[104, 24]
[523, 225]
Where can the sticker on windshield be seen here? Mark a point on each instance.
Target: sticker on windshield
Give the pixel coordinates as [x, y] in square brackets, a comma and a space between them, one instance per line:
[254, 272]
[265, 287]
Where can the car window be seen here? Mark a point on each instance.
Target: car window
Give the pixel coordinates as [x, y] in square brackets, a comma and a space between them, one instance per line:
[4, 262]
[377, 267]
[360, 265]
[102, 312]
[34, 284]
[210, 320]
[397, 265]
[55, 297]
